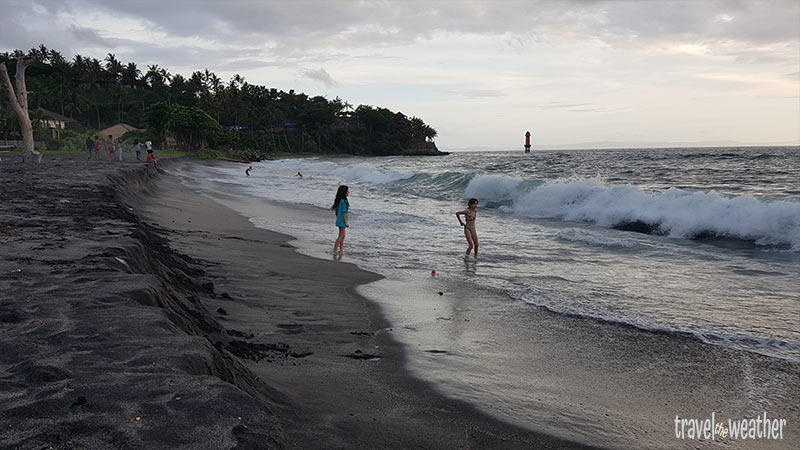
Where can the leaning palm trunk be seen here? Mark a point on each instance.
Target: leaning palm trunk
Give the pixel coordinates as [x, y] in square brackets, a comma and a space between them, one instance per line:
[19, 103]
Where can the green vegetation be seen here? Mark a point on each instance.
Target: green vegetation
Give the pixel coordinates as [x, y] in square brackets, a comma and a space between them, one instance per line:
[202, 111]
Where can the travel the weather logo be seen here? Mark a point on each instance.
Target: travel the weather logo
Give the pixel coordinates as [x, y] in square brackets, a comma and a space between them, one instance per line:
[761, 427]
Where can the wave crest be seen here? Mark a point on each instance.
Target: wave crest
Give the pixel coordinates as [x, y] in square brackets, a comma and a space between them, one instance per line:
[674, 212]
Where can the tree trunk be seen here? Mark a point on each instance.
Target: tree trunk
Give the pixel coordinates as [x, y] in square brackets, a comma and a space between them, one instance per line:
[19, 103]
[96, 108]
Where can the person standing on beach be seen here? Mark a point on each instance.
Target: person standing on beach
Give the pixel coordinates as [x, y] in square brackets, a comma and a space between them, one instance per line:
[148, 145]
[137, 147]
[89, 146]
[469, 225]
[110, 148]
[97, 147]
[119, 150]
[340, 206]
[151, 158]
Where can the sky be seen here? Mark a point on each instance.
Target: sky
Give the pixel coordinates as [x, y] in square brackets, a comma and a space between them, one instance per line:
[576, 74]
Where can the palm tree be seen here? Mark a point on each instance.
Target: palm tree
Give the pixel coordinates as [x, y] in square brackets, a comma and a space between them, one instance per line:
[90, 82]
[130, 75]
[113, 68]
[61, 70]
[158, 78]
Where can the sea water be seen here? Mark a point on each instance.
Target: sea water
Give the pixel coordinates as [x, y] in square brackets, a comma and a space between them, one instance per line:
[614, 289]
[703, 242]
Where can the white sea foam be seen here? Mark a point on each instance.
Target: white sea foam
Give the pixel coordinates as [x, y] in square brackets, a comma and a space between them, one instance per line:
[357, 172]
[493, 187]
[674, 212]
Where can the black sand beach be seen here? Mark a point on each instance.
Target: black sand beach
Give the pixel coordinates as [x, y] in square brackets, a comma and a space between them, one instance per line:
[136, 313]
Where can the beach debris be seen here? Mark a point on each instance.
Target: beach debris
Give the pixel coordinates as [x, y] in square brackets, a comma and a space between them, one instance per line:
[362, 333]
[438, 352]
[358, 354]
[177, 399]
[136, 419]
[125, 263]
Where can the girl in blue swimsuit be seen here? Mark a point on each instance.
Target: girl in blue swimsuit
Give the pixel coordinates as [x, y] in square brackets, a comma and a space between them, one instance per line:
[340, 206]
[469, 224]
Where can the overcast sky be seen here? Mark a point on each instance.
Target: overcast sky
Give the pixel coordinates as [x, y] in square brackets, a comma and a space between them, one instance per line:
[480, 73]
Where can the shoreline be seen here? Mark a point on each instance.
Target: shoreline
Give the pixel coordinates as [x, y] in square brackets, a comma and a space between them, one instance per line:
[586, 379]
[117, 330]
[355, 387]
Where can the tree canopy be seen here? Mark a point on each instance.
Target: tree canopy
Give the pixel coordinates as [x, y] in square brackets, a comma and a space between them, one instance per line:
[203, 109]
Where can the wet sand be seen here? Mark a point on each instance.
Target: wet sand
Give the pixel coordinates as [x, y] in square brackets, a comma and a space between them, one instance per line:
[137, 313]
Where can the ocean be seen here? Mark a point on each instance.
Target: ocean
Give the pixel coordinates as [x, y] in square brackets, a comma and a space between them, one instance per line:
[698, 243]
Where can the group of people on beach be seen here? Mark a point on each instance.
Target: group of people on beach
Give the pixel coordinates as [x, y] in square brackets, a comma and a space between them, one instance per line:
[341, 206]
[93, 149]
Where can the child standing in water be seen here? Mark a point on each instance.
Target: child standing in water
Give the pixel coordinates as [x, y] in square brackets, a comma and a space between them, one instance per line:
[469, 224]
[341, 205]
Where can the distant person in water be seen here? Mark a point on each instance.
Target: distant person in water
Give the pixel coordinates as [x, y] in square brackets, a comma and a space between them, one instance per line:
[299, 174]
[469, 225]
[247, 171]
[340, 206]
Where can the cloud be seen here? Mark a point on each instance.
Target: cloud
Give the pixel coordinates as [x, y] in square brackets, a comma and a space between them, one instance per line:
[558, 105]
[480, 93]
[320, 75]
[296, 27]
[89, 36]
[302, 29]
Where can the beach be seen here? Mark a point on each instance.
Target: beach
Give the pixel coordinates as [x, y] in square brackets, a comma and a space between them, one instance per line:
[581, 331]
[136, 312]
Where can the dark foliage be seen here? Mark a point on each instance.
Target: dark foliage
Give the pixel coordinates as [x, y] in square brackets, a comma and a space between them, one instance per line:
[202, 110]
